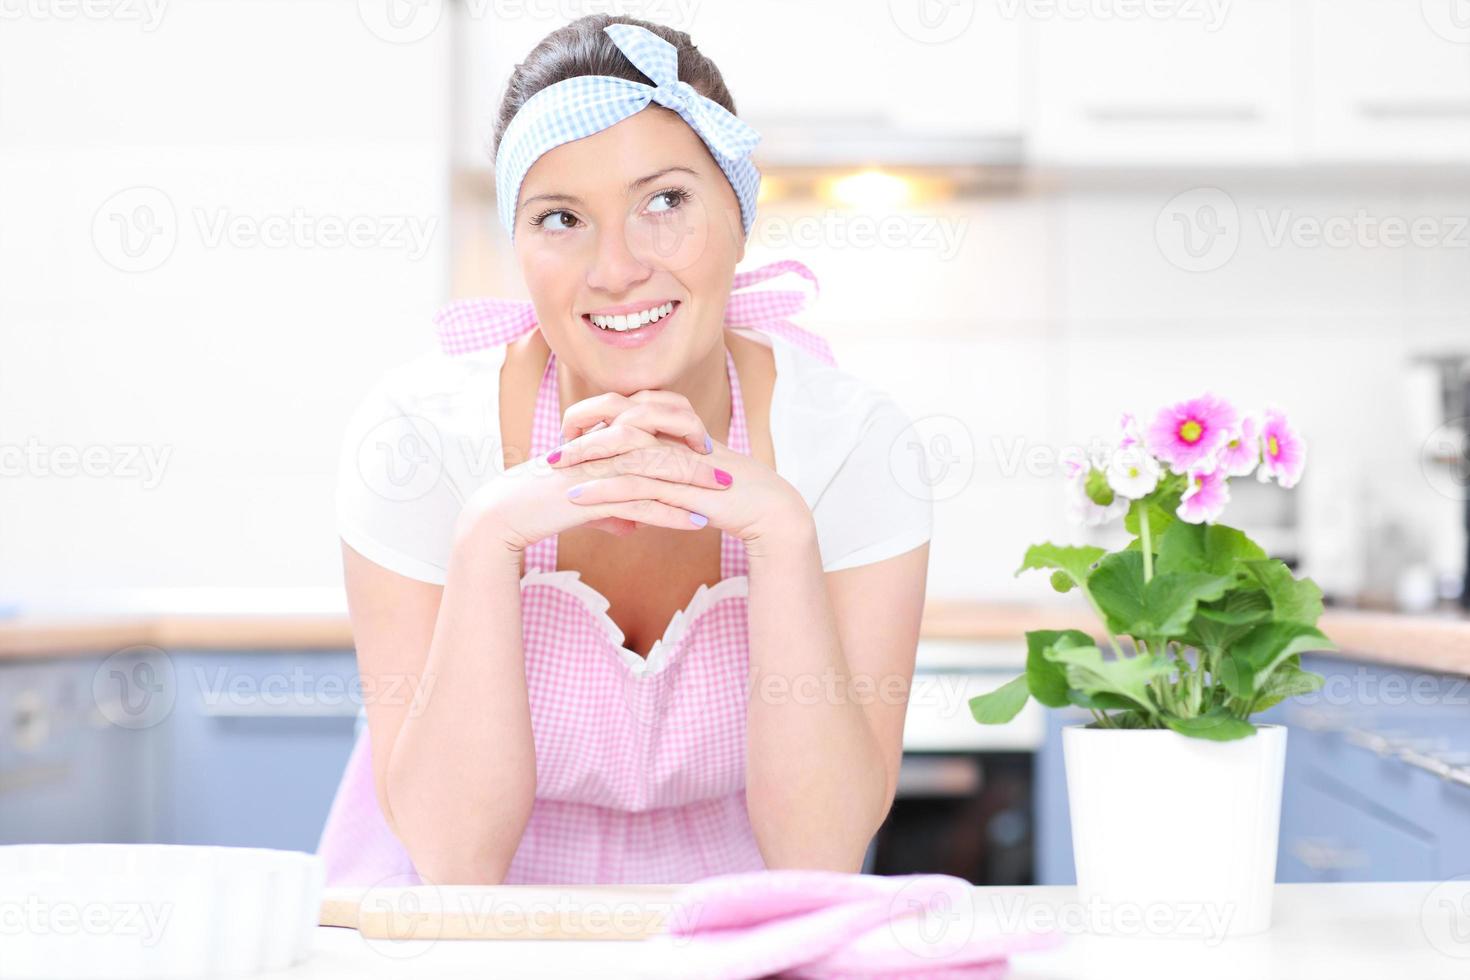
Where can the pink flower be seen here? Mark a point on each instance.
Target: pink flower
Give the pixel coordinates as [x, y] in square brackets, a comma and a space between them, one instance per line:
[1283, 454]
[1241, 450]
[1129, 425]
[1185, 434]
[1206, 496]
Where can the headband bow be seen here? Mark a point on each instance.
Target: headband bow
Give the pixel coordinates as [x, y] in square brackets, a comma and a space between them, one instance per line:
[467, 325]
[577, 107]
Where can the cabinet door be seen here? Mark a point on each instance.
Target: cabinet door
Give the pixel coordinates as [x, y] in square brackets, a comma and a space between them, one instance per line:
[1350, 840]
[937, 68]
[1188, 83]
[1390, 81]
[259, 742]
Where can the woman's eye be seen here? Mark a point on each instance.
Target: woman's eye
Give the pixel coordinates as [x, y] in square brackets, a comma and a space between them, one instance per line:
[671, 199]
[555, 220]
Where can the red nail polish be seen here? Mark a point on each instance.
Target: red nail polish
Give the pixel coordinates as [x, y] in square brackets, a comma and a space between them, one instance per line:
[722, 478]
[554, 456]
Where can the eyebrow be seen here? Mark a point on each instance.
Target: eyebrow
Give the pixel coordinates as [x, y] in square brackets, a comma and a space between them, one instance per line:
[632, 186]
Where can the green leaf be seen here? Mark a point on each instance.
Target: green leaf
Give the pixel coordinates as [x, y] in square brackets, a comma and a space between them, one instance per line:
[1269, 644]
[1239, 608]
[1217, 625]
[1002, 704]
[1074, 561]
[1047, 679]
[1286, 681]
[1238, 678]
[1213, 549]
[1102, 701]
[1293, 600]
[1160, 507]
[1128, 678]
[1215, 726]
[1161, 608]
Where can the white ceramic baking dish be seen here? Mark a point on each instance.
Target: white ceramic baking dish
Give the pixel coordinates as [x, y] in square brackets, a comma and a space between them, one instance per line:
[154, 910]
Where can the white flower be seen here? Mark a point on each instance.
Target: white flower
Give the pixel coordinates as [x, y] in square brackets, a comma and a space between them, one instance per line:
[1133, 472]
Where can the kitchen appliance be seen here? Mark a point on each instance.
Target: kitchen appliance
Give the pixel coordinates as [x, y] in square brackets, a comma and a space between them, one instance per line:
[1440, 387]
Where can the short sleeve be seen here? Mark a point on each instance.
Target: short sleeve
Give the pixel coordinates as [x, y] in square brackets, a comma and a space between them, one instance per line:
[876, 505]
[402, 475]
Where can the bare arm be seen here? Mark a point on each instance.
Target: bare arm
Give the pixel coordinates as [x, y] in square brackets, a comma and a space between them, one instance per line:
[832, 660]
[454, 765]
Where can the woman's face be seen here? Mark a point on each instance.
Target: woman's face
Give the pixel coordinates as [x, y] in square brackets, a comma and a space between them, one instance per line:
[630, 219]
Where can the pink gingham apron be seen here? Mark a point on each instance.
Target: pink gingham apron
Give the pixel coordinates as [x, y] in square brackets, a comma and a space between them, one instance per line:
[640, 763]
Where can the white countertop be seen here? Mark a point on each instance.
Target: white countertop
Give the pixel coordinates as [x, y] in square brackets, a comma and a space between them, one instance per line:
[1403, 930]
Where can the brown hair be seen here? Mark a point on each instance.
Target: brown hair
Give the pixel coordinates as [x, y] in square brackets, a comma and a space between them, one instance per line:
[583, 48]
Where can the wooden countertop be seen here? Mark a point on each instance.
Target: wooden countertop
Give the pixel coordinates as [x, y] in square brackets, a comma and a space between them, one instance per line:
[1432, 642]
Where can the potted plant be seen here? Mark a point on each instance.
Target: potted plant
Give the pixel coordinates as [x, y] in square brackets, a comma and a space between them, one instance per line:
[1175, 793]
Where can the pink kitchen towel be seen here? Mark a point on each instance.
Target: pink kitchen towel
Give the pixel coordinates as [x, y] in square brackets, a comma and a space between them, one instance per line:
[823, 925]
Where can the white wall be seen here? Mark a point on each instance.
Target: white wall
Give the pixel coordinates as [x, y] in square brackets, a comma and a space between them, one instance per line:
[237, 357]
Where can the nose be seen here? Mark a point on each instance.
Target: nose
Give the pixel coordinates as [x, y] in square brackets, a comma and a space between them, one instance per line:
[615, 267]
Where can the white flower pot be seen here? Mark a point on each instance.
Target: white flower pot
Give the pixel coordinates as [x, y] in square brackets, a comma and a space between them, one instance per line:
[1174, 836]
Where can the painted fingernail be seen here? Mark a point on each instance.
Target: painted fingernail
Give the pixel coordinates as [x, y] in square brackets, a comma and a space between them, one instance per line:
[574, 492]
[722, 478]
[554, 456]
[709, 444]
[698, 520]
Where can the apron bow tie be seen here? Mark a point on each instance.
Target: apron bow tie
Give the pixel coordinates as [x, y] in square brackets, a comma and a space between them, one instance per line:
[467, 325]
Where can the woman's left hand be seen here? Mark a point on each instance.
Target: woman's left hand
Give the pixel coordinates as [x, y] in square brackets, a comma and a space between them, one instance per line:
[754, 503]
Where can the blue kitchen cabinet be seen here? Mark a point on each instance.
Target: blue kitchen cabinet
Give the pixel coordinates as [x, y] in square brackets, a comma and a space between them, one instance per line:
[1355, 805]
[257, 745]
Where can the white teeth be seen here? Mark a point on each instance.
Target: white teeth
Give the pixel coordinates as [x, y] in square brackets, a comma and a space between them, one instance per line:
[632, 321]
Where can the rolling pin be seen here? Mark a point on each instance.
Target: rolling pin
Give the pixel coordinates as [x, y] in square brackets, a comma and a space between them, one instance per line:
[599, 912]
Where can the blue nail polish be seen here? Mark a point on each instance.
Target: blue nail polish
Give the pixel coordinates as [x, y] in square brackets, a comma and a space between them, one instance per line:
[709, 444]
[574, 492]
[698, 520]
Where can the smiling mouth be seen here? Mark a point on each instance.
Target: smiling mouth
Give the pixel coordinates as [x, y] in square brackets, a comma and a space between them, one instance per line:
[632, 322]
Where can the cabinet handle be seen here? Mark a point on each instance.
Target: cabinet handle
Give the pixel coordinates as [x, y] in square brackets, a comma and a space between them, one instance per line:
[1414, 110]
[1322, 856]
[1389, 745]
[280, 711]
[1173, 114]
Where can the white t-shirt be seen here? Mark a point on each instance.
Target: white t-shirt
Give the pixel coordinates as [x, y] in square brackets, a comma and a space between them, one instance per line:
[428, 434]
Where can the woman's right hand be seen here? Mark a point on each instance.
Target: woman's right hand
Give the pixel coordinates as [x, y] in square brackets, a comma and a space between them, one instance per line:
[529, 502]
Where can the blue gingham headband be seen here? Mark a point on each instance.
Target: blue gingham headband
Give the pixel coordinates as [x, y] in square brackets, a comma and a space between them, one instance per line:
[586, 104]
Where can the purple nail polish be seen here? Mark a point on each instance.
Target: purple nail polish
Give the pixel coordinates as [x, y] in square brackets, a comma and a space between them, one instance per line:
[709, 444]
[698, 520]
[722, 478]
[554, 456]
[574, 492]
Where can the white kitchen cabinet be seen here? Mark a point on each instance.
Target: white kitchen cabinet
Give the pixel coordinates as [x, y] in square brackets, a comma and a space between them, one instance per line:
[879, 77]
[1197, 83]
[1389, 81]
[938, 68]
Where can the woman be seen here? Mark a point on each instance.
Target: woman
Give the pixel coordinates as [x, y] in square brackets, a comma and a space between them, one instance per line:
[671, 633]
